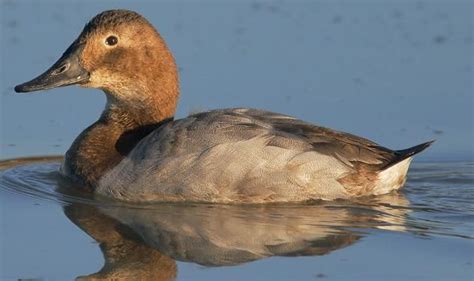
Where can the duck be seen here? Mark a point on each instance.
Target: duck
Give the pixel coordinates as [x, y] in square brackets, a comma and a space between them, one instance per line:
[138, 152]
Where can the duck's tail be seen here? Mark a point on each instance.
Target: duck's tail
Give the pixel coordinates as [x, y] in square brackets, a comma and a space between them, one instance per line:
[393, 176]
[403, 154]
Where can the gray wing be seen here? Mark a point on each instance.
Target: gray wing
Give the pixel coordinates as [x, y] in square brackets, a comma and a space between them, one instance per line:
[350, 149]
[231, 125]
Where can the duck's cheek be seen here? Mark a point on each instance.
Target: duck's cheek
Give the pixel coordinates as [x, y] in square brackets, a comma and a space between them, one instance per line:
[99, 79]
[89, 84]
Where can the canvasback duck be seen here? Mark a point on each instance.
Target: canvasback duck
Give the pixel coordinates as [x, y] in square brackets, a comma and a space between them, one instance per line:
[137, 152]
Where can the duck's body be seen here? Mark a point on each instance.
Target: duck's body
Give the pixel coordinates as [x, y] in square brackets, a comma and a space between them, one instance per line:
[137, 152]
[239, 155]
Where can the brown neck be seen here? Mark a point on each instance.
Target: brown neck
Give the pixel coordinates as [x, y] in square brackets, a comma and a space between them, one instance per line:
[106, 142]
[148, 98]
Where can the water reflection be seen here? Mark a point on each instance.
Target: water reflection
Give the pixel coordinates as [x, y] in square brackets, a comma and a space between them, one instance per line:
[144, 242]
[126, 256]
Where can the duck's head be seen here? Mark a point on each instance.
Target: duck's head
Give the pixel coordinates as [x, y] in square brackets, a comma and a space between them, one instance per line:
[121, 53]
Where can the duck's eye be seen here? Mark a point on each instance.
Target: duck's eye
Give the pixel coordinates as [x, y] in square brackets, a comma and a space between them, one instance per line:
[111, 40]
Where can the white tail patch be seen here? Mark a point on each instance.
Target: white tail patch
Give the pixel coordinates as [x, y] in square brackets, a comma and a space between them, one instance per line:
[392, 178]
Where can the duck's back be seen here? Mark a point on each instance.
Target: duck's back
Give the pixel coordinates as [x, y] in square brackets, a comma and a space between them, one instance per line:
[247, 155]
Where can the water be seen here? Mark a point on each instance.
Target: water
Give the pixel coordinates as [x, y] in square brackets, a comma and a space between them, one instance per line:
[396, 72]
[424, 232]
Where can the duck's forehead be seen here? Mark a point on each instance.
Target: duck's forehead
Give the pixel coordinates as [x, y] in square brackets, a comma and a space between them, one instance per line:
[109, 20]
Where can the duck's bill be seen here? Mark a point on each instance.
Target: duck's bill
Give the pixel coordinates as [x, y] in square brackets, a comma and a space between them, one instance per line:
[66, 71]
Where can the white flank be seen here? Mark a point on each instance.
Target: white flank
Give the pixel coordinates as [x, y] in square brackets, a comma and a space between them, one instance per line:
[392, 178]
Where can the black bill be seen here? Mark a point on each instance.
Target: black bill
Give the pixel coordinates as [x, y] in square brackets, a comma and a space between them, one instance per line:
[66, 71]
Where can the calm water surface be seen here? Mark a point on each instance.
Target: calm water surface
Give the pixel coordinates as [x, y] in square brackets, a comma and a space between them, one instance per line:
[396, 72]
[52, 231]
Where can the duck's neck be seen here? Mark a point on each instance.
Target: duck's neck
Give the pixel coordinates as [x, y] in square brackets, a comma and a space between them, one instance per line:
[106, 142]
[138, 101]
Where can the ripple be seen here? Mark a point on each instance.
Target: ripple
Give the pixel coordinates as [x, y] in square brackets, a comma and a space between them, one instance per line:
[39, 177]
[437, 200]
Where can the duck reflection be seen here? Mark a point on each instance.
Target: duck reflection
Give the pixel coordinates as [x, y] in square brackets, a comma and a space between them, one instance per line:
[143, 243]
[126, 256]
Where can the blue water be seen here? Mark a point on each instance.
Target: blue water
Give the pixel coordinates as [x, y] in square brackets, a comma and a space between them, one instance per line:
[397, 72]
[424, 232]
